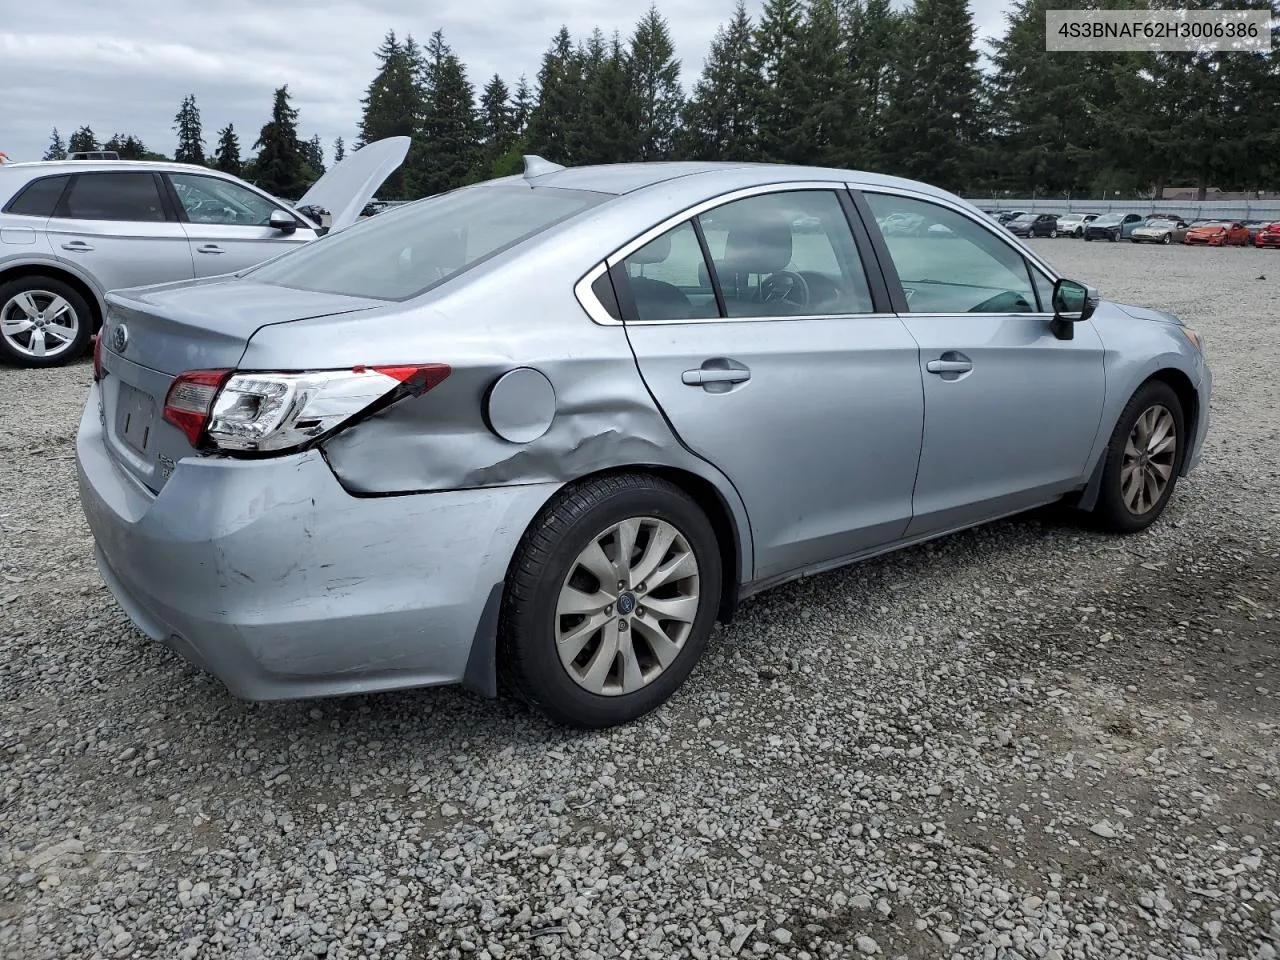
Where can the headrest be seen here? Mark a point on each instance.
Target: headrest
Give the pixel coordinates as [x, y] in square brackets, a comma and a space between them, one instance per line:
[655, 251]
[763, 246]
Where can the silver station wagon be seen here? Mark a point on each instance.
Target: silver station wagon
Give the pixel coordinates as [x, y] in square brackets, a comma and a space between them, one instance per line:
[553, 427]
[71, 231]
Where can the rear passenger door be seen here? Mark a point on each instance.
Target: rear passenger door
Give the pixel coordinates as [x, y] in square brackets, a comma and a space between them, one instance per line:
[780, 363]
[226, 224]
[119, 226]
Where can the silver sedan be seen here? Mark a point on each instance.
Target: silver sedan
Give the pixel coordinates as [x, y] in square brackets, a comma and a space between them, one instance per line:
[555, 426]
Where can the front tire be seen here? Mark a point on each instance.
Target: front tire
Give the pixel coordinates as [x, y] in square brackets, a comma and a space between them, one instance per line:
[610, 601]
[44, 322]
[1143, 460]
[1167, 238]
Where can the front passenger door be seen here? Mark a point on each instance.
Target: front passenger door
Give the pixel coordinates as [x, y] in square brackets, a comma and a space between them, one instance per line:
[226, 224]
[1011, 411]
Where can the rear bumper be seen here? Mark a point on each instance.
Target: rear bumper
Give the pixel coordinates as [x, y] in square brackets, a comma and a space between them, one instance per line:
[273, 578]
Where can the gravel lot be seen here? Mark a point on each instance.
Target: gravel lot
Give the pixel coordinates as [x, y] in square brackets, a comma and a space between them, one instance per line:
[1029, 740]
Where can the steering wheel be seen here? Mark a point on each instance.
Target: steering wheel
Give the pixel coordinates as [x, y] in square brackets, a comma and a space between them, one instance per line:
[785, 286]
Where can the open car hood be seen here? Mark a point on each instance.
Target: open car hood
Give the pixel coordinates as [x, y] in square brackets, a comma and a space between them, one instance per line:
[348, 186]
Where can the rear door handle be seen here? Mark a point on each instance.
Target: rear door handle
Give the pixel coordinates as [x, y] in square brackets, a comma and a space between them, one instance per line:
[210, 248]
[77, 246]
[701, 376]
[949, 366]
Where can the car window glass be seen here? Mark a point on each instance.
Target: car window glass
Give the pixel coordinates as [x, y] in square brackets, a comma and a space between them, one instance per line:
[409, 250]
[786, 254]
[1044, 288]
[668, 278]
[39, 198]
[951, 264]
[210, 200]
[114, 196]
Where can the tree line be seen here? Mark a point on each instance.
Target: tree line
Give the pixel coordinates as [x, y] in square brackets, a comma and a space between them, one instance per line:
[284, 165]
[845, 83]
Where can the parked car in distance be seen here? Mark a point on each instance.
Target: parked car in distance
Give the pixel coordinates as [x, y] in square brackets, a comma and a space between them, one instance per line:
[1268, 236]
[89, 227]
[94, 155]
[1253, 226]
[1160, 231]
[1218, 233]
[499, 431]
[1112, 226]
[1034, 225]
[1073, 224]
[1008, 215]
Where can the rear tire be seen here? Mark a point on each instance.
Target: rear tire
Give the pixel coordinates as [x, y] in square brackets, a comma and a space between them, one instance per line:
[44, 322]
[1053, 234]
[1136, 488]
[1167, 238]
[577, 665]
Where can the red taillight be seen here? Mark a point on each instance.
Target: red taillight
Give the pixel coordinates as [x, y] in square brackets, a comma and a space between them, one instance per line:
[190, 399]
[97, 356]
[418, 378]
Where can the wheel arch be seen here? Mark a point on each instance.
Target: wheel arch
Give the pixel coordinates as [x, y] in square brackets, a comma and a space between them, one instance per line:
[58, 271]
[1187, 395]
[728, 521]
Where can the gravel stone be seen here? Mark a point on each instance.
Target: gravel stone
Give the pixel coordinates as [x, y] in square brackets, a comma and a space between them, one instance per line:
[905, 758]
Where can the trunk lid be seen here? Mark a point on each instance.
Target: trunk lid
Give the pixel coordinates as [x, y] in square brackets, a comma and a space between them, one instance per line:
[152, 334]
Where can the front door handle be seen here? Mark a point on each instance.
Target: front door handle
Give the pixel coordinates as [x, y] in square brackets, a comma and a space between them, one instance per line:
[210, 248]
[949, 366]
[77, 246]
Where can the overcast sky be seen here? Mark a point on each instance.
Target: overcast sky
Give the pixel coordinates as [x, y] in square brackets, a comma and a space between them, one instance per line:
[125, 65]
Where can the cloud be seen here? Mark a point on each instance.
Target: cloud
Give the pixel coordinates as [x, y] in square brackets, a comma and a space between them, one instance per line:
[124, 66]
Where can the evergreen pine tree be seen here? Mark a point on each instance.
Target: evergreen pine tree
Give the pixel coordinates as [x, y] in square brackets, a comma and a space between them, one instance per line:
[448, 132]
[339, 150]
[872, 45]
[56, 150]
[278, 167]
[556, 116]
[932, 121]
[127, 146]
[190, 135]
[82, 140]
[822, 79]
[655, 77]
[782, 104]
[227, 156]
[497, 127]
[393, 104]
[612, 110]
[521, 106]
[721, 117]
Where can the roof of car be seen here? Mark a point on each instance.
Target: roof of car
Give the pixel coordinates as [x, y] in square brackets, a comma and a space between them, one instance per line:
[34, 167]
[620, 178]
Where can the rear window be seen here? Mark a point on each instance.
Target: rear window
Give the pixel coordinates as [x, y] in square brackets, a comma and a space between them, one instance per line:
[39, 198]
[114, 196]
[403, 253]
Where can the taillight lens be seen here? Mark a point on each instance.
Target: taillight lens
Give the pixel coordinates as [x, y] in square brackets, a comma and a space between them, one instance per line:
[275, 412]
[190, 398]
[97, 356]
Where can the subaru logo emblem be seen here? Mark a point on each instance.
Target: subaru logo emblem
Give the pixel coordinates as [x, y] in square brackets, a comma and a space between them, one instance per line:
[120, 338]
[626, 603]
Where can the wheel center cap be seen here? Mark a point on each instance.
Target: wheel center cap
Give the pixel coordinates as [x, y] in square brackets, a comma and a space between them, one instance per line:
[626, 604]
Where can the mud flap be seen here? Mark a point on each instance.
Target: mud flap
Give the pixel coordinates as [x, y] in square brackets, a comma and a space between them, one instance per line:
[481, 674]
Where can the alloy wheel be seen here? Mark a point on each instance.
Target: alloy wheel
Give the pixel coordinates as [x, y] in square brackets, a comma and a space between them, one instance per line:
[627, 606]
[39, 323]
[1149, 457]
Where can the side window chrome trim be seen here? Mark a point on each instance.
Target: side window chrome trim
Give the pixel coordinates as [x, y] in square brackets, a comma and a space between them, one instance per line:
[598, 314]
[1004, 236]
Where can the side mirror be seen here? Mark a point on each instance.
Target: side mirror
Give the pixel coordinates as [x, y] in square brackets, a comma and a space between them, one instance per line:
[281, 221]
[1073, 302]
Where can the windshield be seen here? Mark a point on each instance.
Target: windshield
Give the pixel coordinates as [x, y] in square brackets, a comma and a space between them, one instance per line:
[1160, 224]
[405, 252]
[1105, 221]
[1026, 218]
[1214, 224]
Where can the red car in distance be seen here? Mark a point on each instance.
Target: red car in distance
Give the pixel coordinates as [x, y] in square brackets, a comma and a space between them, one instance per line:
[1218, 233]
[1268, 236]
